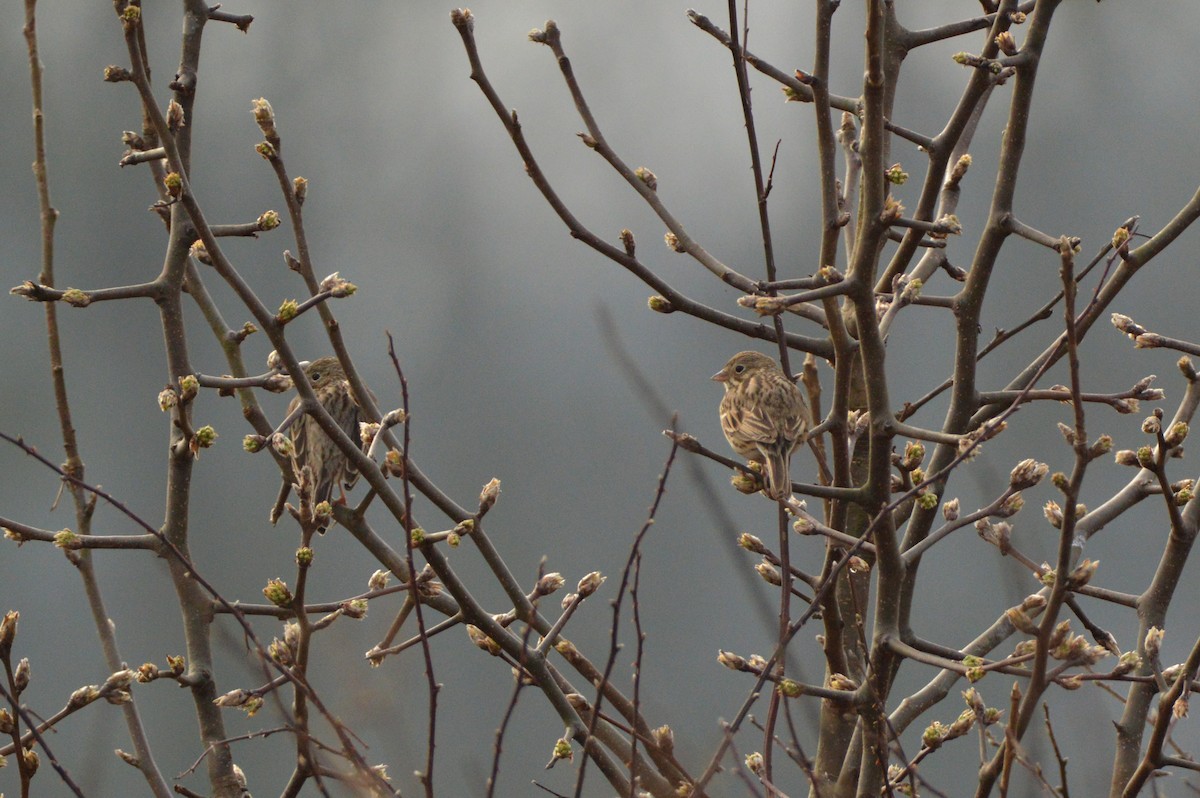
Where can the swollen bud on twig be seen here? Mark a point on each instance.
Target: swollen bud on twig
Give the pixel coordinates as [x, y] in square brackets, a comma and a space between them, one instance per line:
[1006, 43]
[660, 304]
[647, 177]
[175, 120]
[627, 242]
[1027, 473]
[590, 583]
[277, 593]
[481, 640]
[549, 584]
[264, 115]
[337, 287]
[488, 496]
[1127, 325]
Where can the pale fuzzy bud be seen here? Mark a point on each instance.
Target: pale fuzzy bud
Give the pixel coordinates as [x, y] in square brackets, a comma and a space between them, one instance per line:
[549, 583]
[568, 600]
[754, 763]
[75, 298]
[234, 698]
[1176, 434]
[282, 444]
[769, 573]
[147, 672]
[757, 663]
[858, 565]
[745, 483]
[1187, 369]
[735, 662]
[789, 688]
[128, 758]
[205, 437]
[119, 680]
[31, 760]
[1034, 601]
[840, 681]
[1027, 473]
[1153, 644]
[488, 496]
[199, 251]
[66, 539]
[280, 652]
[1127, 325]
[896, 175]
[482, 641]
[1127, 663]
[1020, 621]
[751, 543]
[664, 738]
[173, 183]
[277, 593]
[563, 750]
[1070, 682]
[337, 287]
[1127, 457]
[1058, 634]
[288, 309]
[1152, 425]
[189, 386]
[367, 430]
[590, 583]
[274, 361]
[1006, 43]
[933, 735]
[628, 242]
[175, 119]
[803, 526]
[673, 243]
[83, 696]
[914, 453]
[660, 304]
[118, 697]
[1053, 513]
[950, 509]
[578, 703]
[647, 177]
[379, 580]
[8, 632]
[355, 609]
[1084, 572]
[240, 778]
[264, 115]
[22, 674]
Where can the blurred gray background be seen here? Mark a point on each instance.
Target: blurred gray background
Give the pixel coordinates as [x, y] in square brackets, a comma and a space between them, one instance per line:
[418, 197]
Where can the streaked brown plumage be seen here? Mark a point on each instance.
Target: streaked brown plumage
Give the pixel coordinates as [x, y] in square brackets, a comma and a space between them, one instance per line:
[763, 415]
[313, 447]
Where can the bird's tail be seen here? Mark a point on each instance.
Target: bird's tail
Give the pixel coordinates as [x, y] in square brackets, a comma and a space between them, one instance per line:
[776, 476]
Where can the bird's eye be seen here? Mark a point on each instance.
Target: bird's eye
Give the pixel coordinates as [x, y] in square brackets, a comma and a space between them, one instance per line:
[738, 369]
[315, 376]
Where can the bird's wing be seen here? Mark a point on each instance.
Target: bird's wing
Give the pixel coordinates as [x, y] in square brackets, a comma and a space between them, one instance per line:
[350, 427]
[298, 432]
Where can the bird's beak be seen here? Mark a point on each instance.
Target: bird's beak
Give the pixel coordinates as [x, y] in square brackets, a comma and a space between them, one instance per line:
[720, 376]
